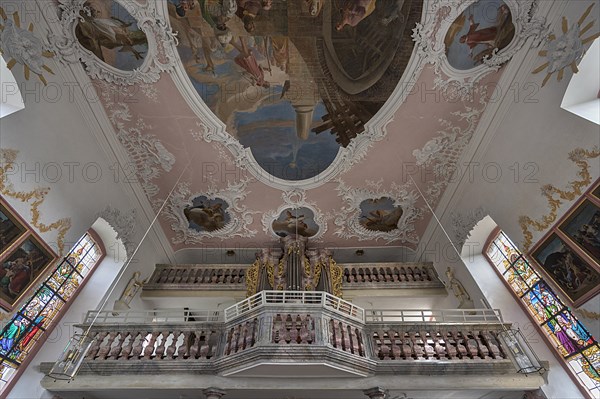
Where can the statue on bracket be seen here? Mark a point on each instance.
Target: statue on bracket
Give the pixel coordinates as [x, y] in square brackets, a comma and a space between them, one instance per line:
[130, 291]
[459, 291]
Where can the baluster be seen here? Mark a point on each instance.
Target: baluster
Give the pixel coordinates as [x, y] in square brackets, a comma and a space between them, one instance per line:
[439, 345]
[184, 350]
[416, 346]
[185, 275]
[396, 351]
[211, 344]
[295, 330]
[243, 331]
[195, 348]
[368, 277]
[333, 334]
[407, 351]
[361, 275]
[98, 339]
[359, 341]
[288, 326]
[170, 350]
[116, 345]
[160, 350]
[429, 351]
[495, 342]
[461, 346]
[345, 338]
[171, 276]
[395, 273]
[164, 274]
[205, 345]
[384, 349]
[450, 344]
[483, 350]
[137, 347]
[311, 328]
[347, 275]
[470, 344]
[149, 350]
[304, 334]
[249, 342]
[354, 277]
[410, 274]
[126, 348]
[403, 274]
[105, 348]
[276, 333]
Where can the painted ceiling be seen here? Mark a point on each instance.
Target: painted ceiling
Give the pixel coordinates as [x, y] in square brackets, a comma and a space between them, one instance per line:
[342, 120]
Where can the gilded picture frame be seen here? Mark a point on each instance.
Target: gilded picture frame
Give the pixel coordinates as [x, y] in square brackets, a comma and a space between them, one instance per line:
[567, 269]
[11, 229]
[582, 229]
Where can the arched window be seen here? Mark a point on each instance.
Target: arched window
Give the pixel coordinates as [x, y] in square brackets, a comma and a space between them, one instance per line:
[568, 336]
[24, 334]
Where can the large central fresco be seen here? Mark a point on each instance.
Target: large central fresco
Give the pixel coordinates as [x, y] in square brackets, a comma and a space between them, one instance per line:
[294, 81]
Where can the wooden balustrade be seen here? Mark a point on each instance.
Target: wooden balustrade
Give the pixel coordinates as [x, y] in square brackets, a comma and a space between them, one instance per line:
[440, 344]
[233, 277]
[138, 344]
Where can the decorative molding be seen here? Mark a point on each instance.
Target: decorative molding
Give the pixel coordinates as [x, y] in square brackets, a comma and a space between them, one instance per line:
[463, 224]
[556, 196]
[430, 33]
[443, 151]
[161, 41]
[35, 198]
[123, 223]
[22, 46]
[295, 199]
[240, 217]
[347, 219]
[147, 153]
[566, 50]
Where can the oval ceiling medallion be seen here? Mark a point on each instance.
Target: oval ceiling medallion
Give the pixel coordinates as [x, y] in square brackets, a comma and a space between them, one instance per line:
[207, 215]
[482, 29]
[112, 35]
[300, 221]
[379, 214]
[294, 81]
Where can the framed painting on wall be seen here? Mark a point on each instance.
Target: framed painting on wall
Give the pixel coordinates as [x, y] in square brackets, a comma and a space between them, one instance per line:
[570, 272]
[10, 228]
[582, 227]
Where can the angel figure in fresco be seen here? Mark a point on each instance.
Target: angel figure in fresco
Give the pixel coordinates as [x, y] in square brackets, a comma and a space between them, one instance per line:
[492, 37]
[248, 10]
[211, 217]
[382, 220]
[97, 32]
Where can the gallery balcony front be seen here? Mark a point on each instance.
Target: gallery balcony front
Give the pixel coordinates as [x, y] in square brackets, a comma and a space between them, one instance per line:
[302, 337]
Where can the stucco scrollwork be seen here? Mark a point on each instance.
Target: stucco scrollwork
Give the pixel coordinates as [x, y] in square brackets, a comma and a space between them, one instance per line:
[160, 56]
[123, 223]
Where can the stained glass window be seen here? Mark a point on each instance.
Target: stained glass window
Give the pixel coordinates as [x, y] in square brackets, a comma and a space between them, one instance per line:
[570, 337]
[21, 334]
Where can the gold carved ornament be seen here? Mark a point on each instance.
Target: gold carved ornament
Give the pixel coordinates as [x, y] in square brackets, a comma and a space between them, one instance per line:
[252, 278]
[317, 274]
[37, 196]
[270, 273]
[280, 274]
[556, 196]
[337, 274]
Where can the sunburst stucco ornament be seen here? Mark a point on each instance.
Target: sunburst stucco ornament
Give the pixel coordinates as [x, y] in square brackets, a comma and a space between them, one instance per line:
[567, 49]
[22, 46]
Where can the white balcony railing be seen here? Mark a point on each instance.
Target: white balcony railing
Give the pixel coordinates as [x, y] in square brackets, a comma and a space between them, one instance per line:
[152, 316]
[435, 316]
[295, 298]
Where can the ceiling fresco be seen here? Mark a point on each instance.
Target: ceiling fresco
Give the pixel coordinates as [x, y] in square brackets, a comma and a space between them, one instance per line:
[342, 121]
[293, 80]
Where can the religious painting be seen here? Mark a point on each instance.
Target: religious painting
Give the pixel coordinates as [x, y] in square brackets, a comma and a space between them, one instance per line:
[379, 214]
[294, 81]
[207, 215]
[296, 222]
[112, 35]
[483, 28]
[577, 279]
[10, 228]
[21, 268]
[583, 228]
